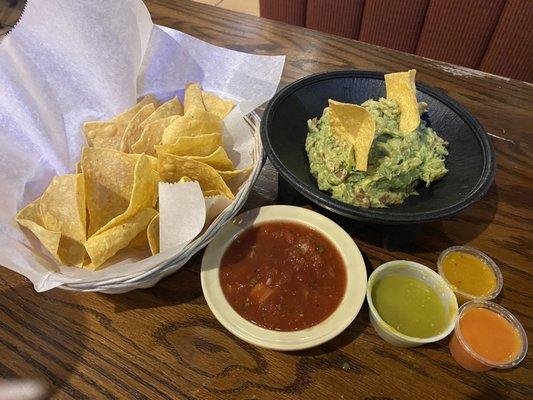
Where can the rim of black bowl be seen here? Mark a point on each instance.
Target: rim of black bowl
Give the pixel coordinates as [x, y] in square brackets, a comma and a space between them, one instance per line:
[384, 215]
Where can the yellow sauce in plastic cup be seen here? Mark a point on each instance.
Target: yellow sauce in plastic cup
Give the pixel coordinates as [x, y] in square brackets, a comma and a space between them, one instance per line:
[471, 274]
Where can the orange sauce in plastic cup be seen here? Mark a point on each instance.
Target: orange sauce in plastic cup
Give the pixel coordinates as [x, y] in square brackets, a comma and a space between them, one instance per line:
[487, 336]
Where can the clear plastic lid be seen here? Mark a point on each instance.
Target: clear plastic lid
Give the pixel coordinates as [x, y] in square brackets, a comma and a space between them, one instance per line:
[486, 259]
[505, 314]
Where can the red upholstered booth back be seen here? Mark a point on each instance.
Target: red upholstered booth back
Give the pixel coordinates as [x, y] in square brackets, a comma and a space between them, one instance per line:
[291, 12]
[495, 36]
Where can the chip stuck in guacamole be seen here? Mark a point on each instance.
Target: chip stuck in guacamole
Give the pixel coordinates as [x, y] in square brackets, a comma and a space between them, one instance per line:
[381, 152]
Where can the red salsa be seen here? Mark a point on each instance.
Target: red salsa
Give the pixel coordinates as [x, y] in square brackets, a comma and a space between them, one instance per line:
[283, 276]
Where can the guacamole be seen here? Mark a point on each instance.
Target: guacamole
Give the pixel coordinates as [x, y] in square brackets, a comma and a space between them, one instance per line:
[397, 162]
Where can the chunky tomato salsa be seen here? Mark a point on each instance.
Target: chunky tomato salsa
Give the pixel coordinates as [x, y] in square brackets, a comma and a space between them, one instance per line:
[283, 276]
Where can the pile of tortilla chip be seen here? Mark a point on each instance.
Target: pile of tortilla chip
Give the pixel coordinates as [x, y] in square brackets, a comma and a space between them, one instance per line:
[111, 204]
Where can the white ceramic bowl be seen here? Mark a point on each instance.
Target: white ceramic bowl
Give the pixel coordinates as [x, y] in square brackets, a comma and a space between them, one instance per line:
[425, 274]
[286, 341]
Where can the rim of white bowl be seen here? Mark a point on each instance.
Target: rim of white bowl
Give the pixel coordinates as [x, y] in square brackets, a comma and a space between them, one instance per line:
[449, 292]
[338, 321]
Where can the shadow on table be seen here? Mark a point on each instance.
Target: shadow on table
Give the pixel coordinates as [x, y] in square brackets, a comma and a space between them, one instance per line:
[428, 237]
[44, 335]
[181, 287]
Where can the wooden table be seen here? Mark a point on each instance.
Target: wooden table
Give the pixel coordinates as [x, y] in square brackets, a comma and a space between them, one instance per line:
[165, 343]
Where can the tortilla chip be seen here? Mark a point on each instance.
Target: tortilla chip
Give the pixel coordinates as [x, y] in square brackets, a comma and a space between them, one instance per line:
[152, 232]
[185, 179]
[241, 173]
[143, 193]
[236, 178]
[63, 206]
[356, 125]
[173, 168]
[152, 135]
[193, 97]
[126, 116]
[201, 146]
[195, 122]
[32, 212]
[138, 242]
[153, 162]
[104, 134]
[108, 184]
[211, 193]
[133, 130]
[106, 244]
[63, 210]
[219, 160]
[30, 217]
[151, 159]
[171, 108]
[401, 87]
[92, 125]
[217, 105]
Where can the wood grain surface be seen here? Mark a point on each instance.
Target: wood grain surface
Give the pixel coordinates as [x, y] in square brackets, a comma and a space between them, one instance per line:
[164, 342]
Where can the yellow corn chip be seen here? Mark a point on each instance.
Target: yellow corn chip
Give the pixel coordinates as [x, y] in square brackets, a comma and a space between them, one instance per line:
[217, 105]
[185, 179]
[143, 193]
[219, 160]
[356, 125]
[241, 173]
[151, 159]
[104, 134]
[171, 108]
[106, 244]
[210, 193]
[234, 179]
[64, 249]
[153, 162]
[401, 87]
[195, 122]
[92, 125]
[201, 145]
[193, 97]
[126, 116]
[152, 135]
[63, 206]
[30, 217]
[139, 241]
[63, 210]
[173, 168]
[133, 130]
[152, 232]
[108, 184]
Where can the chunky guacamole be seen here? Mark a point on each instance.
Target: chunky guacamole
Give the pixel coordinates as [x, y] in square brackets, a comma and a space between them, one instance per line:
[397, 162]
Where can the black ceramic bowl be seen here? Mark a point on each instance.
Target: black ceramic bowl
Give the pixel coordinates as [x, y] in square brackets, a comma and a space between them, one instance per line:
[471, 161]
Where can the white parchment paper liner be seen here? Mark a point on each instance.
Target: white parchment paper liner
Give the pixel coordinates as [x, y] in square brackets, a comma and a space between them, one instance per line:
[68, 62]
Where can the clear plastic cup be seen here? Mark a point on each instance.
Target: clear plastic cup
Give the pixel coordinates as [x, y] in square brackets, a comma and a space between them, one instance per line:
[468, 358]
[424, 274]
[463, 297]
